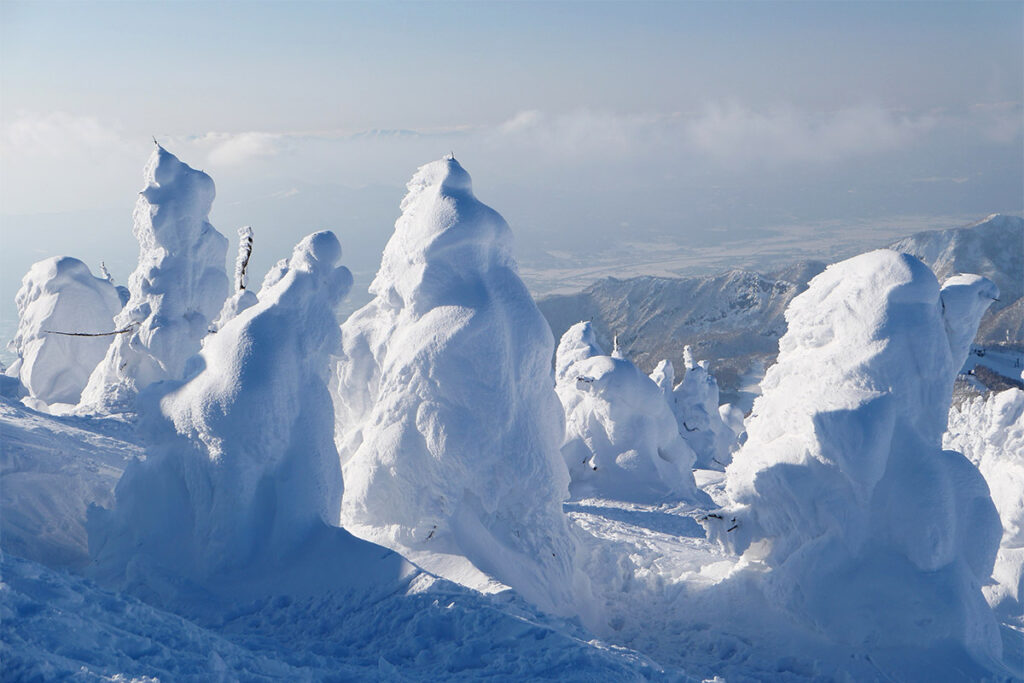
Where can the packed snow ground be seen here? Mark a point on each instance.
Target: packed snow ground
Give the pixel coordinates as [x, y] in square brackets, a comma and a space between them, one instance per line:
[670, 614]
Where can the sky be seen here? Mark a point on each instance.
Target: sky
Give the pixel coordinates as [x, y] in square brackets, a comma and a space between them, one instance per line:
[597, 129]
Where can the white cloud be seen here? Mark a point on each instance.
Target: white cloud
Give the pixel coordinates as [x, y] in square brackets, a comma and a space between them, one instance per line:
[731, 133]
[233, 149]
[59, 134]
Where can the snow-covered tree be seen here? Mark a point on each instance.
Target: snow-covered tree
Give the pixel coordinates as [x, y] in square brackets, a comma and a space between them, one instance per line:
[695, 404]
[871, 531]
[621, 439]
[448, 424]
[243, 479]
[989, 430]
[178, 287]
[64, 315]
[242, 298]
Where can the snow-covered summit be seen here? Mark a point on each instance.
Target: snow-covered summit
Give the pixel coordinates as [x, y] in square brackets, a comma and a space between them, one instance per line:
[178, 287]
[447, 420]
[60, 301]
[872, 532]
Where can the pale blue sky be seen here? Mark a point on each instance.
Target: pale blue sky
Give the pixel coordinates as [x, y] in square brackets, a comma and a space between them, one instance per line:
[587, 125]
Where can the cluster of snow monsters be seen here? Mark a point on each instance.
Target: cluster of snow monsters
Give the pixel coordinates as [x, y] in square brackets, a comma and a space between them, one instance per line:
[457, 442]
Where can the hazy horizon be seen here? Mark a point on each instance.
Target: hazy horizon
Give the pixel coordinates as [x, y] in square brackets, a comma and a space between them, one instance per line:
[604, 131]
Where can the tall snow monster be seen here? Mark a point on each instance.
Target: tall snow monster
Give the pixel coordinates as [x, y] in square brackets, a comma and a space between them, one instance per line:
[447, 421]
[177, 289]
[869, 530]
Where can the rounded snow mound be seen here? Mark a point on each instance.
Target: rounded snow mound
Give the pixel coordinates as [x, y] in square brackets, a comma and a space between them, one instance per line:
[447, 421]
[621, 439]
[872, 532]
[59, 302]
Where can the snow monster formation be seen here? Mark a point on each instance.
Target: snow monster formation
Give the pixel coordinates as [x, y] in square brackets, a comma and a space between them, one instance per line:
[621, 439]
[447, 421]
[178, 287]
[989, 430]
[695, 404]
[871, 532]
[243, 482]
[60, 301]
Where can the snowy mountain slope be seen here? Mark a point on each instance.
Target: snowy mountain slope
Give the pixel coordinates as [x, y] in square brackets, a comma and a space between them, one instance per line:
[735, 317]
[993, 247]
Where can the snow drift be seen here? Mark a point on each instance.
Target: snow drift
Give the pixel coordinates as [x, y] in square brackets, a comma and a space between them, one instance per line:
[447, 422]
[872, 532]
[621, 439]
[176, 290]
[989, 430]
[243, 477]
[60, 294]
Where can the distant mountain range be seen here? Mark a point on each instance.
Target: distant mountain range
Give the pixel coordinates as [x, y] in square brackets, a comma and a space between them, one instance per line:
[736, 318]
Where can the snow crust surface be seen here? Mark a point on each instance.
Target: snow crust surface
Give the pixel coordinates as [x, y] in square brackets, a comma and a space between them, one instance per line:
[60, 294]
[868, 529]
[447, 420]
[177, 288]
[621, 439]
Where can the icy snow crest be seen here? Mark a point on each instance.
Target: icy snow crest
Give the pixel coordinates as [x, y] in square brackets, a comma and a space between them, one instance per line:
[178, 287]
[60, 294]
[447, 422]
[872, 531]
[621, 439]
[989, 430]
[243, 470]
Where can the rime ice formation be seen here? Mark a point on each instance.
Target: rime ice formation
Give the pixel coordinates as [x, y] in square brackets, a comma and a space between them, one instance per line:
[664, 375]
[243, 297]
[243, 476]
[873, 533]
[60, 294]
[178, 287]
[989, 430]
[621, 440]
[448, 424]
[695, 403]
